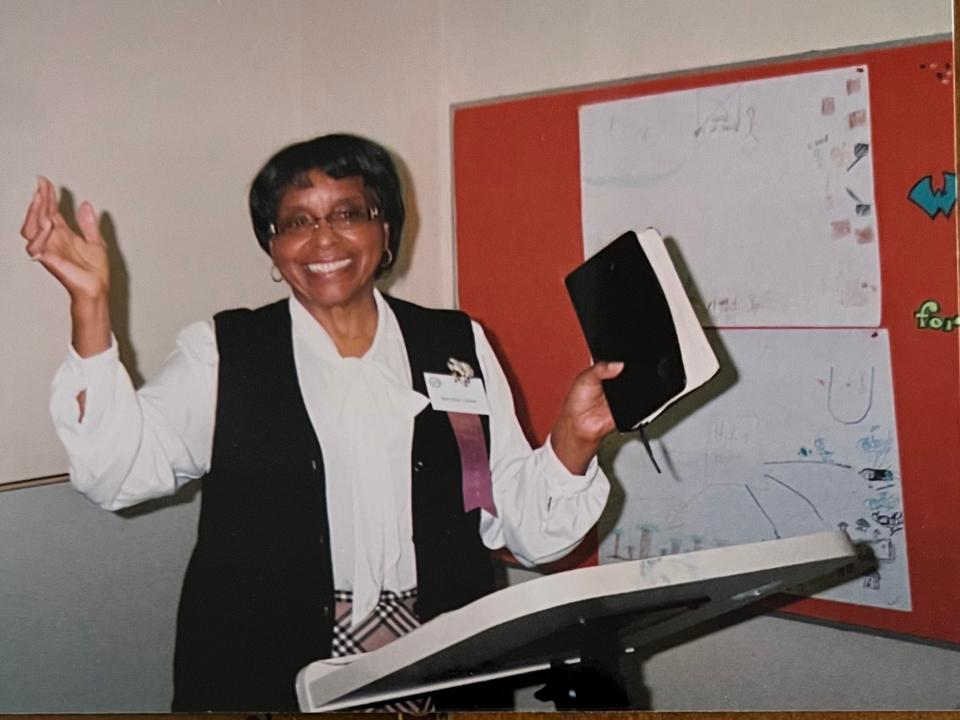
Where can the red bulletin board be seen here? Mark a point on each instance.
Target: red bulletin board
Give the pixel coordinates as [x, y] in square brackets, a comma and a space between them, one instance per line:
[518, 233]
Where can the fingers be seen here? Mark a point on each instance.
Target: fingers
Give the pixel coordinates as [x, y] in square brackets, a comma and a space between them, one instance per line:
[89, 226]
[38, 243]
[31, 223]
[587, 384]
[606, 370]
[38, 213]
[43, 217]
[48, 204]
[39, 222]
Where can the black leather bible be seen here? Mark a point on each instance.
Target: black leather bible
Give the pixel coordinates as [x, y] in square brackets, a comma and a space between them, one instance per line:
[632, 307]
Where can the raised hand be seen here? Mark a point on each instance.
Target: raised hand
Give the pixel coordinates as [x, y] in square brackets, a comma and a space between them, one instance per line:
[79, 262]
[585, 418]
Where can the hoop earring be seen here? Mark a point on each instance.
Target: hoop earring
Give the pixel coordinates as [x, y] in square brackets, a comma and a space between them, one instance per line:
[387, 259]
[275, 274]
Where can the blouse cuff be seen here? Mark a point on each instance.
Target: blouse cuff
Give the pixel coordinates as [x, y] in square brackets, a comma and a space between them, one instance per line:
[93, 364]
[94, 374]
[560, 481]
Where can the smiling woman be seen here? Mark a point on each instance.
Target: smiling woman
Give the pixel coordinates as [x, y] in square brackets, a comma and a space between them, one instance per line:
[320, 210]
[340, 508]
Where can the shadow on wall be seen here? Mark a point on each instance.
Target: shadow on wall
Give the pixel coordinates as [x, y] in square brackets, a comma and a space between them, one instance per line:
[119, 284]
[726, 377]
[411, 225]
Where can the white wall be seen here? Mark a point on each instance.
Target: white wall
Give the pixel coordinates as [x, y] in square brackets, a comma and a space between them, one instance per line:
[160, 111]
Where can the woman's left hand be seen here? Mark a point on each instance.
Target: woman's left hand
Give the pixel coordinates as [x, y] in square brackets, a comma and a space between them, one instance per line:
[584, 419]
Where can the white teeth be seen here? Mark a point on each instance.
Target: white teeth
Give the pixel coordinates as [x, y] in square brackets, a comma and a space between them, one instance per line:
[328, 267]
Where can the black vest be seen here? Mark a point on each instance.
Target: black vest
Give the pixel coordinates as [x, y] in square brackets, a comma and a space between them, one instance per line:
[257, 600]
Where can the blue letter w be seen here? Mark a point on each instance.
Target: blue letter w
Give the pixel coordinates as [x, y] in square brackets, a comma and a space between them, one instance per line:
[933, 201]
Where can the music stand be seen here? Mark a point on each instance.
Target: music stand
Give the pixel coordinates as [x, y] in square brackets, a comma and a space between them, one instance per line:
[570, 618]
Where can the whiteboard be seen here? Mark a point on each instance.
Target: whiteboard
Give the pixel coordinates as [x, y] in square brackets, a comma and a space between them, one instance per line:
[537, 136]
[803, 441]
[773, 175]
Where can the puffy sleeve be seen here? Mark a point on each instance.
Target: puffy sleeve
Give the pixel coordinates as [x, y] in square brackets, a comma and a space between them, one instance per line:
[130, 446]
[543, 510]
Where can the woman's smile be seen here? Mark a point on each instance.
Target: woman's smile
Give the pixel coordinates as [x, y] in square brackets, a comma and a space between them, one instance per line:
[328, 267]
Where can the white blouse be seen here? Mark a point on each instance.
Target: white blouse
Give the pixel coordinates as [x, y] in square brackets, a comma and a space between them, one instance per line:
[132, 446]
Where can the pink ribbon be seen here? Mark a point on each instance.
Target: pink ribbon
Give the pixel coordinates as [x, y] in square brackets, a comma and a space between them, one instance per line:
[474, 463]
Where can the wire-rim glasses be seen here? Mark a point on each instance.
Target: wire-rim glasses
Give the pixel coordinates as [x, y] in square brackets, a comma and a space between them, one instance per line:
[345, 219]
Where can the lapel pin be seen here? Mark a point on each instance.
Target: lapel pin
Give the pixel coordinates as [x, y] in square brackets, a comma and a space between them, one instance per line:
[460, 370]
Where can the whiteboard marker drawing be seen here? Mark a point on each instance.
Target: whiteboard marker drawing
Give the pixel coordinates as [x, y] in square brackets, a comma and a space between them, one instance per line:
[852, 419]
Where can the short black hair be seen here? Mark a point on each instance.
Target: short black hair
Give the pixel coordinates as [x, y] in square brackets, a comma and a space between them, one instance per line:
[340, 156]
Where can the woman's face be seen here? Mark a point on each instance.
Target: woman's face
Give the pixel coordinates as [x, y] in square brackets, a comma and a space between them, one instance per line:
[325, 267]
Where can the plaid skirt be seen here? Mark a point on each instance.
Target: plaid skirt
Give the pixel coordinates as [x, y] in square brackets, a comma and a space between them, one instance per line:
[393, 617]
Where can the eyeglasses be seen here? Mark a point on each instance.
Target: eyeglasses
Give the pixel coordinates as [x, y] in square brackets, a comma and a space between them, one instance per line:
[346, 219]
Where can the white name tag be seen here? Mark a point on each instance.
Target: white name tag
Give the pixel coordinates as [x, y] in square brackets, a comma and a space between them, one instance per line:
[449, 394]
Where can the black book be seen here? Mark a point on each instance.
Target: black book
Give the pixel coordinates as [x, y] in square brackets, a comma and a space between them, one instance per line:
[632, 307]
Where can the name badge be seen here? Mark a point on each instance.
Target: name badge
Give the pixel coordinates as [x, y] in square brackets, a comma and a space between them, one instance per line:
[449, 393]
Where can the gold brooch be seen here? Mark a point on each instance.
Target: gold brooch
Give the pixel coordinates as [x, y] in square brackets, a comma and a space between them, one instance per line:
[460, 370]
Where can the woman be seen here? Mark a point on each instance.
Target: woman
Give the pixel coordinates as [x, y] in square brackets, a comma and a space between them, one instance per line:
[340, 509]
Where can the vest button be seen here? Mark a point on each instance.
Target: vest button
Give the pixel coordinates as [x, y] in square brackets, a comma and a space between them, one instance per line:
[418, 466]
[326, 611]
